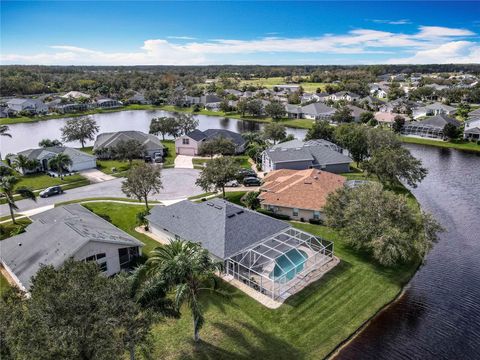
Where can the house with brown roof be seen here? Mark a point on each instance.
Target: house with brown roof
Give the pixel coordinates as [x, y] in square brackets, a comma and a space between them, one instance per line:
[299, 194]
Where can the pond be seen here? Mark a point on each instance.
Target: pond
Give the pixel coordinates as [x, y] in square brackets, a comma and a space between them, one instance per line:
[28, 135]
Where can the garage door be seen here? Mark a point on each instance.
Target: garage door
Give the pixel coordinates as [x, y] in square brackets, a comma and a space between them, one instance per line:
[186, 151]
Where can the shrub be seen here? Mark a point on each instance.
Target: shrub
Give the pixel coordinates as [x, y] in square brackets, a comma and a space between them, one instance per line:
[272, 214]
[315, 221]
[113, 169]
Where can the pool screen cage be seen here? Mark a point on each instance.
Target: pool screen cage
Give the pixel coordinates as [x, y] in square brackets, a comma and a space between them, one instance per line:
[423, 130]
[282, 264]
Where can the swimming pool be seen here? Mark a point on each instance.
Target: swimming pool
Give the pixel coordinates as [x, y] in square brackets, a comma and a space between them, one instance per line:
[291, 267]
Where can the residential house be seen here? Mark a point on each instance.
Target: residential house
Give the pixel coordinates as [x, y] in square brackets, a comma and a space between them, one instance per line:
[105, 142]
[298, 155]
[138, 98]
[62, 233]
[294, 111]
[80, 160]
[109, 103]
[379, 90]
[356, 112]
[475, 114]
[431, 127]
[472, 129]
[388, 117]
[250, 245]
[309, 97]
[344, 95]
[33, 106]
[317, 111]
[434, 109]
[189, 144]
[75, 95]
[192, 100]
[299, 194]
[372, 102]
[288, 88]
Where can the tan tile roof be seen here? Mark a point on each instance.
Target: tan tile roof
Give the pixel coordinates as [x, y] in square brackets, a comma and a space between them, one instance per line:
[302, 189]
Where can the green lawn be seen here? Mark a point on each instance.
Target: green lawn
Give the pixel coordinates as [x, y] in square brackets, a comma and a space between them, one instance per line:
[42, 181]
[241, 160]
[454, 144]
[106, 166]
[278, 80]
[169, 160]
[6, 229]
[308, 326]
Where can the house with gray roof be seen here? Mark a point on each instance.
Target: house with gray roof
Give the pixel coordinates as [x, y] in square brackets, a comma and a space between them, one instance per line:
[106, 142]
[433, 109]
[344, 95]
[42, 156]
[62, 233]
[33, 106]
[472, 129]
[267, 254]
[317, 111]
[189, 144]
[299, 155]
[431, 127]
[108, 103]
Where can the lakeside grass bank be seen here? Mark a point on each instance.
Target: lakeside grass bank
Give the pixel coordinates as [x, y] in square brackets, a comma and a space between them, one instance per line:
[309, 325]
[292, 123]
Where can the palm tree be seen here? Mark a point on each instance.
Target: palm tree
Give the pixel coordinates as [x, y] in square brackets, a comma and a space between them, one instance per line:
[8, 190]
[186, 269]
[4, 132]
[21, 163]
[60, 161]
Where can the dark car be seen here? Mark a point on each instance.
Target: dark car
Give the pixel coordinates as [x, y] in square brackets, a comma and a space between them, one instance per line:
[50, 191]
[243, 173]
[251, 181]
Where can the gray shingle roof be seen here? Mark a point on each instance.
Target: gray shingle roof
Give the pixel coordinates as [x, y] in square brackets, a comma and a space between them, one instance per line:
[221, 227]
[235, 137]
[439, 121]
[196, 135]
[106, 140]
[317, 109]
[56, 235]
[40, 153]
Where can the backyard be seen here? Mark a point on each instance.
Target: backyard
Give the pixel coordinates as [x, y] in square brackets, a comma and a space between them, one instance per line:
[309, 325]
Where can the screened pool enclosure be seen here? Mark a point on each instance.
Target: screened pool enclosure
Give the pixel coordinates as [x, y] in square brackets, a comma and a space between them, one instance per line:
[282, 264]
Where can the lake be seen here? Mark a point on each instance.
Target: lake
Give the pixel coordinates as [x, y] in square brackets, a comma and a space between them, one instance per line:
[438, 317]
[28, 135]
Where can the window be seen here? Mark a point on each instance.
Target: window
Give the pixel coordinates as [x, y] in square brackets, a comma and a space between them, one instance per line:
[185, 141]
[96, 257]
[295, 212]
[103, 266]
[126, 255]
[316, 215]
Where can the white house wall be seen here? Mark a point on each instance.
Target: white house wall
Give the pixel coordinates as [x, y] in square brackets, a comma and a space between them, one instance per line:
[111, 254]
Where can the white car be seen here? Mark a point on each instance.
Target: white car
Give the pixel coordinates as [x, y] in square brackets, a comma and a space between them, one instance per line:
[233, 183]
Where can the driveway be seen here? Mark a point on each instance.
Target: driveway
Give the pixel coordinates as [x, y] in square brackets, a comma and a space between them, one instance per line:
[177, 184]
[96, 176]
[184, 162]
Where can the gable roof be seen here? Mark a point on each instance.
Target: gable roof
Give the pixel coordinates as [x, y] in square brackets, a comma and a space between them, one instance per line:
[210, 134]
[439, 121]
[56, 235]
[105, 140]
[318, 108]
[221, 227]
[196, 135]
[301, 189]
[41, 153]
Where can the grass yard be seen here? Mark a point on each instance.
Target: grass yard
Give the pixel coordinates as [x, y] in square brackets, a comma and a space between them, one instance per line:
[308, 326]
[42, 181]
[9, 228]
[272, 81]
[455, 144]
[169, 160]
[241, 160]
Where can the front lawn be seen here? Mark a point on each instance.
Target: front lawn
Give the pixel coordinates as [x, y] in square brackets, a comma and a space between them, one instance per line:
[241, 160]
[308, 326]
[169, 160]
[42, 181]
[112, 167]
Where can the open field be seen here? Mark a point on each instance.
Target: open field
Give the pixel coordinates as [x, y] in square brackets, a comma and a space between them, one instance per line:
[272, 81]
[308, 326]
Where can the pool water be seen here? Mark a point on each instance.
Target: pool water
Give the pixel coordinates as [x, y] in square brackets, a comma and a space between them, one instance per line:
[291, 267]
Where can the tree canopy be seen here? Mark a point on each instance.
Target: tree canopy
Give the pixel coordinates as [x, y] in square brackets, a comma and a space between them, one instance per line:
[217, 173]
[142, 180]
[274, 132]
[79, 129]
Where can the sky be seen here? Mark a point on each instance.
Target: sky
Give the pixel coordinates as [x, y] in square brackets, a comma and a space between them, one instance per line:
[263, 33]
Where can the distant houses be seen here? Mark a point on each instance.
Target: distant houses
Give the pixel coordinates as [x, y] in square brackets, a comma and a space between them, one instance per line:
[62, 233]
[32, 106]
[472, 129]
[298, 155]
[314, 111]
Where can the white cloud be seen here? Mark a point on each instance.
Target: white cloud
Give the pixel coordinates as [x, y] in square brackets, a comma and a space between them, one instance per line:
[429, 44]
[392, 22]
[460, 52]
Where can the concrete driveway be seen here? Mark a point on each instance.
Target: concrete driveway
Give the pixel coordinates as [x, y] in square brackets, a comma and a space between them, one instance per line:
[96, 176]
[184, 162]
[177, 184]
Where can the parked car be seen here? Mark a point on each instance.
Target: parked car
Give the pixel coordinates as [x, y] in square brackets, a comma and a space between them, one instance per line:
[251, 181]
[243, 173]
[158, 158]
[148, 159]
[50, 191]
[233, 183]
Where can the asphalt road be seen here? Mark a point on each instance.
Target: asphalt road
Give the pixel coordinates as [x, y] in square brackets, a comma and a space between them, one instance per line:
[177, 184]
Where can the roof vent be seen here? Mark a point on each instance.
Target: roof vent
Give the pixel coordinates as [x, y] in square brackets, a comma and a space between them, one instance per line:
[19, 244]
[217, 207]
[230, 216]
[240, 212]
[209, 204]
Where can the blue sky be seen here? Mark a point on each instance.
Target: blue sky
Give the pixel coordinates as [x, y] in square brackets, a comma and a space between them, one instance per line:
[184, 33]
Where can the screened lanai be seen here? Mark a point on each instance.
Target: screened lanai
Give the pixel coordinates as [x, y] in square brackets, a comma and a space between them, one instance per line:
[282, 264]
[424, 130]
